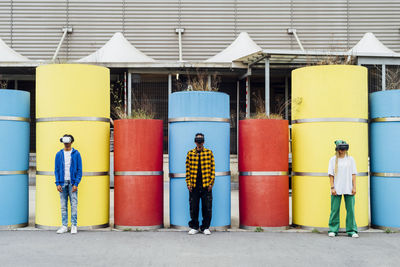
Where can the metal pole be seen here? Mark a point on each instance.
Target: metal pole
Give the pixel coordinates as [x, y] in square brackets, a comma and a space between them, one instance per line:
[247, 97]
[286, 97]
[298, 41]
[169, 93]
[237, 117]
[129, 94]
[267, 89]
[180, 46]
[209, 82]
[125, 98]
[59, 45]
[180, 31]
[169, 84]
[65, 31]
[383, 77]
[16, 84]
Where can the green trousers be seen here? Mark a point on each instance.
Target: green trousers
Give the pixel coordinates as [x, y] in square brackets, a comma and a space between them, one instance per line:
[334, 219]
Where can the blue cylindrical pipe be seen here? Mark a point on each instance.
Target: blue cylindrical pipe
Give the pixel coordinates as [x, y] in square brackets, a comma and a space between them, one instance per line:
[385, 155]
[190, 113]
[14, 158]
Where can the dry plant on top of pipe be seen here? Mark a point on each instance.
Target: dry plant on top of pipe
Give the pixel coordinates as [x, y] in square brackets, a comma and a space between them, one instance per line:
[331, 60]
[260, 113]
[392, 77]
[142, 108]
[3, 83]
[199, 82]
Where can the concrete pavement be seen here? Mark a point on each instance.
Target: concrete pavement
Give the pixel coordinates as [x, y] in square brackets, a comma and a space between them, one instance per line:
[112, 248]
[168, 247]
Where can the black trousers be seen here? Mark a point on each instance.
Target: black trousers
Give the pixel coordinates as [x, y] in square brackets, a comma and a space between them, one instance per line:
[206, 207]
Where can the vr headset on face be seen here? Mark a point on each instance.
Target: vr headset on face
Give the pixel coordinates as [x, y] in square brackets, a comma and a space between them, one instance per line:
[199, 140]
[66, 139]
[342, 147]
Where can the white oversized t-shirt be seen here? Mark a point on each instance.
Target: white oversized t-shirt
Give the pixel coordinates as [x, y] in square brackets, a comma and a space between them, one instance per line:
[67, 165]
[343, 180]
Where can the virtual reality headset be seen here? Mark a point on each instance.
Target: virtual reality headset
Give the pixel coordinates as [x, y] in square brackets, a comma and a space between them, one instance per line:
[341, 145]
[199, 139]
[67, 139]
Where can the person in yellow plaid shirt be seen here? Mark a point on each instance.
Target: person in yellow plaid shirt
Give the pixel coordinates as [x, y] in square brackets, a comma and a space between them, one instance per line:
[200, 176]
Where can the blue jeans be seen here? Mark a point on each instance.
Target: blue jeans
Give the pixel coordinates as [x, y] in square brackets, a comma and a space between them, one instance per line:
[73, 198]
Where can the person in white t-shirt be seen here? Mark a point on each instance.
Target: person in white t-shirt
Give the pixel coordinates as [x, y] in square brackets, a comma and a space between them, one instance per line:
[68, 174]
[342, 174]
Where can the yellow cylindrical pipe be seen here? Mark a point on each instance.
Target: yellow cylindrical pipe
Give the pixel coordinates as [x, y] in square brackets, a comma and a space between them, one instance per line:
[77, 98]
[333, 92]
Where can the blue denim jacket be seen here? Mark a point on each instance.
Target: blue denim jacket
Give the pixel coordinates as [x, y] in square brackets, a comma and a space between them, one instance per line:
[75, 169]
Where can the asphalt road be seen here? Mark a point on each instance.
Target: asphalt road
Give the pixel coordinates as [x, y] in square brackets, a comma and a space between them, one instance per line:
[167, 248]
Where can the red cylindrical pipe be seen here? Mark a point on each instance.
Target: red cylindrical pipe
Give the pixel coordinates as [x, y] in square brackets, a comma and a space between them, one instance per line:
[138, 199]
[263, 199]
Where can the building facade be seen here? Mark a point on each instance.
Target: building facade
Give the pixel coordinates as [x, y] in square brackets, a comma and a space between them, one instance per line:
[34, 27]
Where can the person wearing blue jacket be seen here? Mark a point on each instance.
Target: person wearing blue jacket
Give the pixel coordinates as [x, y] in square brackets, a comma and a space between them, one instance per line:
[68, 173]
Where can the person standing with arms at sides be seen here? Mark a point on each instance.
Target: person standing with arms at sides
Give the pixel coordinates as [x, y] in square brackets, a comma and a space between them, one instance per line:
[342, 174]
[68, 173]
[200, 176]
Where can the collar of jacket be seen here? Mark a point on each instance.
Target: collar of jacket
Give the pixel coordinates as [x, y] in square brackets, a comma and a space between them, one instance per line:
[194, 150]
[73, 150]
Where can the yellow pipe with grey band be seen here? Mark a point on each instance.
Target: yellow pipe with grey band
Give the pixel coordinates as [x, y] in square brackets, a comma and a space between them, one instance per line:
[73, 99]
[328, 103]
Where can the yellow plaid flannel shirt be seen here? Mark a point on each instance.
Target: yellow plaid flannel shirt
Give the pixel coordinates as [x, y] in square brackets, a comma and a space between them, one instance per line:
[207, 167]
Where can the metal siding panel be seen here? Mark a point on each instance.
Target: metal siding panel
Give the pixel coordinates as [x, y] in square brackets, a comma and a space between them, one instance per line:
[380, 17]
[5, 21]
[37, 27]
[150, 27]
[266, 22]
[209, 27]
[321, 24]
[94, 23]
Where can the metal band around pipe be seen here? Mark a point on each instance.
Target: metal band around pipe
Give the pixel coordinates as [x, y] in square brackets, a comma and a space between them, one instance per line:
[183, 175]
[321, 174]
[269, 173]
[83, 174]
[14, 118]
[12, 172]
[330, 120]
[386, 119]
[52, 119]
[139, 173]
[187, 119]
[385, 174]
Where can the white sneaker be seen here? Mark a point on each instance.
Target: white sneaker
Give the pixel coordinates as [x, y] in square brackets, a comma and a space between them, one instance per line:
[74, 229]
[331, 234]
[63, 229]
[207, 232]
[193, 231]
[355, 235]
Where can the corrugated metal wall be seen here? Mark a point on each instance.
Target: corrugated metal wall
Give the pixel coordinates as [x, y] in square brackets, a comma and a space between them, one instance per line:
[33, 27]
[5, 21]
[36, 27]
[150, 26]
[380, 17]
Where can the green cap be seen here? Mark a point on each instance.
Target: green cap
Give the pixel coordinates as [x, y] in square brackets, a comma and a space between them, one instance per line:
[341, 145]
[340, 142]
